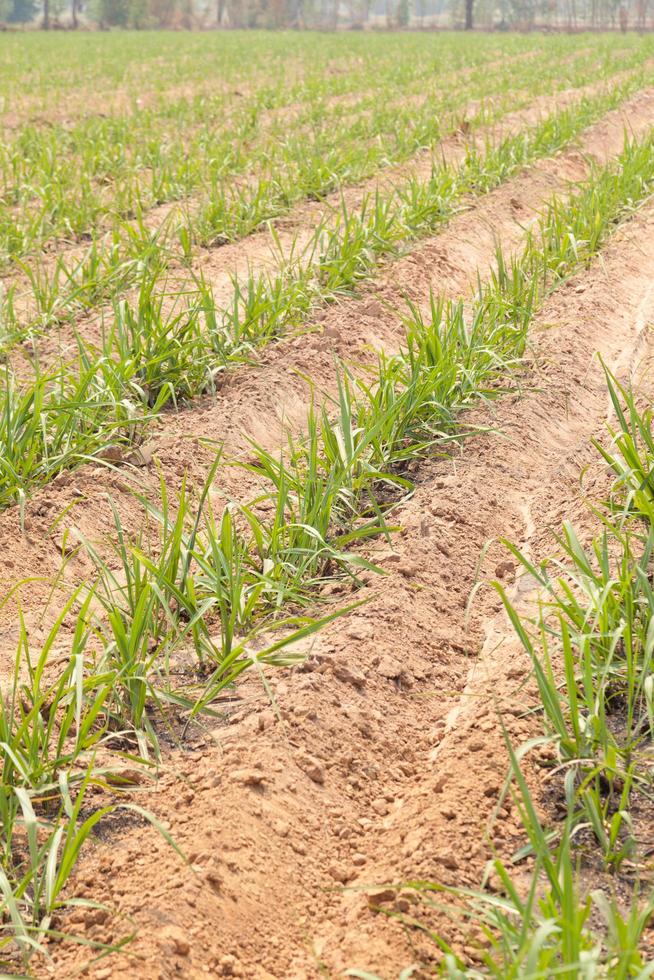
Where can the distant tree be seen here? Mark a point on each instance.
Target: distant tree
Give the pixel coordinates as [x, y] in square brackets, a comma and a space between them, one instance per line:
[296, 14]
[22, 11]
[113, 13]
[276, 14]
[359, 11]
[165, 13]
[403, 14]
[139, 14]
[187, 14]
[46, 15]
[469, 14]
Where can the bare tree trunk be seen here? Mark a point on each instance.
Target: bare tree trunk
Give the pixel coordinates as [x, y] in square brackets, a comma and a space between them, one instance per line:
[469, 18]
[220, 12]
[46, 15]
[291, 15]
[574, 14]
[73, 12]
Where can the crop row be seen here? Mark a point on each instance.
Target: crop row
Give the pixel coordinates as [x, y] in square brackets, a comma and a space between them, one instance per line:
[134, 253]
[101, 73]
[149, 64]
[85, 181]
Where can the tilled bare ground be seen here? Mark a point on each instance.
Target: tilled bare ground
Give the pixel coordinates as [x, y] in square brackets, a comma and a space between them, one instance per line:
[381, 759]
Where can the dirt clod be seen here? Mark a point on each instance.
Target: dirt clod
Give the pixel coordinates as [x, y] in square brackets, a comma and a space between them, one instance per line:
[448, 859]
[389, 667]
[381, 896]
[311, 767]
[349, 675]
[229, 966]
[247, 777]
[175, 937]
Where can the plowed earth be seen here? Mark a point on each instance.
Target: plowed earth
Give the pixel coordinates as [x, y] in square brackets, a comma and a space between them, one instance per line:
[381, 758]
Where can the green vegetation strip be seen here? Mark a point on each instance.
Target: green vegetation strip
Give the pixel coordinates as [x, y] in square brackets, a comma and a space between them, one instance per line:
[282, 171]
[64, 182]
[75, 181]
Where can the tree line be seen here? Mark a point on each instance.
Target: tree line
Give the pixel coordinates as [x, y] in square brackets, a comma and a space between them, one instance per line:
[329, 14]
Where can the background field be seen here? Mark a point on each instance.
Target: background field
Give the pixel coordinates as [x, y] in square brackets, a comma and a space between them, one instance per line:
[326, 505]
